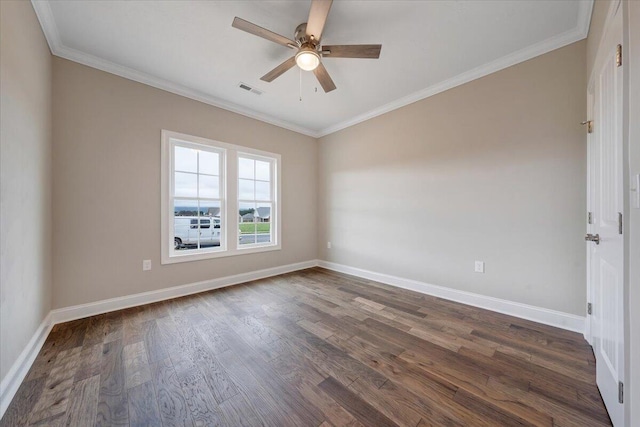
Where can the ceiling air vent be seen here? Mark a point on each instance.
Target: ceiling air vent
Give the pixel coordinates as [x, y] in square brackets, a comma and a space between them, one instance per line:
[248, 88]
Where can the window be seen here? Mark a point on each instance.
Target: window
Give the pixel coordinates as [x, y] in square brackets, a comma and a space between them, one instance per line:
[218, 199]
[255, 199]
[196, 197]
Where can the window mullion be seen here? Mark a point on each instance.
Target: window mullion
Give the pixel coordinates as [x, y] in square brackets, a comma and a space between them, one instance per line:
[198, 196]
[232, 200]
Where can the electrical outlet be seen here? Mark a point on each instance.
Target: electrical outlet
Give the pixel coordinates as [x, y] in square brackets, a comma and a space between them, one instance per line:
[479, 267]
[146, 265]
[328, 245]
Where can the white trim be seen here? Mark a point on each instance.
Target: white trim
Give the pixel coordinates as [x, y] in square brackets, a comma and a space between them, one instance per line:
[91, 309]
[584, 18]
[275, 190]
[20, 368]
[47, 21]
[545, 316]
[589, 208]
[48, 24]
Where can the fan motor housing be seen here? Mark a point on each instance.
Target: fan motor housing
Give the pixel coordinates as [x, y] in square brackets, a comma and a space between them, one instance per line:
[300, 36]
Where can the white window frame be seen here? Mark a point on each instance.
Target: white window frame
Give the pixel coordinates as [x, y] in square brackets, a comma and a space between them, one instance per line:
[229, 228]
[273, 165]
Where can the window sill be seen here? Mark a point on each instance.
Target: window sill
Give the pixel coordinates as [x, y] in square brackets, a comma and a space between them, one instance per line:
[176, 259]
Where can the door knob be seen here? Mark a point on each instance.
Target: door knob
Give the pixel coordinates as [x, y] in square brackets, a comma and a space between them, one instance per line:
[592, 238]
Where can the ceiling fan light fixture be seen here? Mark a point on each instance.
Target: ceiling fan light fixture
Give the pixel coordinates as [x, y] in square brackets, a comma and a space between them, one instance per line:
[308, 59]
[307, 38]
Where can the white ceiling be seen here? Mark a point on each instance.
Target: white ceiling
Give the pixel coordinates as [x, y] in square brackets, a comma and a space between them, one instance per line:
[190, 48]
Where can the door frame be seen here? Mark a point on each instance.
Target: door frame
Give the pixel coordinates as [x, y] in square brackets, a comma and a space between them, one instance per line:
[588, 335]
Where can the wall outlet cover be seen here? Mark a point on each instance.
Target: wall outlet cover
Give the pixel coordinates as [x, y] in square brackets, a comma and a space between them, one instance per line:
[479, 266]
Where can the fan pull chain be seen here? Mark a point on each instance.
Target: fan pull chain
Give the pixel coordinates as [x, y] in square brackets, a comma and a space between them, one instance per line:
[300, 69]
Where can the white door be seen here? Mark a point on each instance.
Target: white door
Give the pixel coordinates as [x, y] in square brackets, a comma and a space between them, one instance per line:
[606, 204]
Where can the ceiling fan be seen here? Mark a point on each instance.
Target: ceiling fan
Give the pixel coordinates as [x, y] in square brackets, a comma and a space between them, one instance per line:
[306, 41]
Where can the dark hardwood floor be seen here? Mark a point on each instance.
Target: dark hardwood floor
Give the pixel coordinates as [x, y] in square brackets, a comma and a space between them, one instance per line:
[311, 348]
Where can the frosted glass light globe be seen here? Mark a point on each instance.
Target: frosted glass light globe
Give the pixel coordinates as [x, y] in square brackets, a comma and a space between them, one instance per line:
[308, 60]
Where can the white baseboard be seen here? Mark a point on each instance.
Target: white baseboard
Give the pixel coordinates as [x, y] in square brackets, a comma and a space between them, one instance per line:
[20, 368]
[91, 309]
[545, 316]
[11, 382]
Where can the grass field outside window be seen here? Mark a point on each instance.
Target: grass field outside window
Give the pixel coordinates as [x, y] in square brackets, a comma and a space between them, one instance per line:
[248, 227]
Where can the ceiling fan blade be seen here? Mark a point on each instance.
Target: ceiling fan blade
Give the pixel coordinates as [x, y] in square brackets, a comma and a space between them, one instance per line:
[256, 30]
[371, 51]
[318, 17]
[279, 70]
[324, 78]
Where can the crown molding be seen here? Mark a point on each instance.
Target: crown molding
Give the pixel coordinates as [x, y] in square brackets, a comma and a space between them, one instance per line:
[578, 33]
[48, 24]
[50, 29]
[584, 17]
[166, 85]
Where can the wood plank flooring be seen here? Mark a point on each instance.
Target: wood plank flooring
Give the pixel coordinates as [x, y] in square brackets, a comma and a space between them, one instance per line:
[311, 348]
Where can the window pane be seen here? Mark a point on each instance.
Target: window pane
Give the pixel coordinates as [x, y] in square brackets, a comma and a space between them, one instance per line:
[263, 226]
[263, 212]
[247, 238]
[246, 168]
[210, 215]
[185, 208]
[185, 184]
[209, 186]
[185, 159]
[209, 163]
[209, 209]
[185, 225]
[246, 212]
[263, 170]
[246, 223]
[263, 190]
[246, 189]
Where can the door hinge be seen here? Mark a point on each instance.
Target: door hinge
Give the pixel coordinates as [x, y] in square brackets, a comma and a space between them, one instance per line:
[619, 223]
[619, 55]
[589, 308]
[620, 392]
[589, 218]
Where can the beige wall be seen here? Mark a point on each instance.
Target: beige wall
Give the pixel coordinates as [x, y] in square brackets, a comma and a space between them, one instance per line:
[25, 179]
[106, 216]
[493, 170]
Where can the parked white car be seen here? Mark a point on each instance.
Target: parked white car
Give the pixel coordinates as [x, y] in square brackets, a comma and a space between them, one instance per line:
[187, 232]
